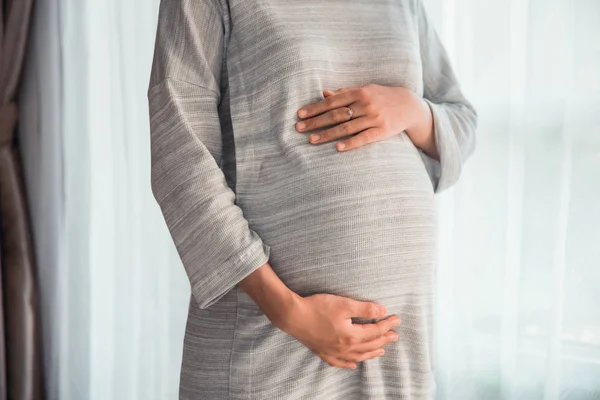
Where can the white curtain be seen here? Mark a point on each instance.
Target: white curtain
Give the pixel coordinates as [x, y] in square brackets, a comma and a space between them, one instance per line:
[518, 283]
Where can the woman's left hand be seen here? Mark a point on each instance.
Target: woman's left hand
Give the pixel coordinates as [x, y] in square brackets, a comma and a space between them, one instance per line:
[379, 112]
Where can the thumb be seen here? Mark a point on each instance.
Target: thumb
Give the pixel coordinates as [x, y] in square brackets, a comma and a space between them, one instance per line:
[366, 309]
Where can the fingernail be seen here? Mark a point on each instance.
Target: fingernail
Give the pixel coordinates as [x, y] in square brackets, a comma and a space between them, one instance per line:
[392, 335]
[354, 366]
[381, 352]
[301, 125]
[314, 138]
[341, 146]
[302, 113]
[382, 310]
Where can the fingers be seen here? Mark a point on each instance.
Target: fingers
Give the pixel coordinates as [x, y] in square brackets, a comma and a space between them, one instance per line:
[328, 92]
[374, 344]
[368, 136]
[338, 362]
[366, 332]
[333, 117]
[349, 361]
[361, 352]
[340, 99]
[365, 309]
[345, 129]
[359, 357]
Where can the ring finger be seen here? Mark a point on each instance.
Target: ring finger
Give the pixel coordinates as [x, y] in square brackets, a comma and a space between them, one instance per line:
[331, 117]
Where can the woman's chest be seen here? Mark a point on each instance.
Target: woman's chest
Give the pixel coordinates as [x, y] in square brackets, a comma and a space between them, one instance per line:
[369, 41]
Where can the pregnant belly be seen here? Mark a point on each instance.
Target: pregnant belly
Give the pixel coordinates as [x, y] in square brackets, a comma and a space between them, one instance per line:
[359, 224]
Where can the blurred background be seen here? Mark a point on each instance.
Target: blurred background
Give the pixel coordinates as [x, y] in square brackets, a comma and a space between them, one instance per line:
[94, 296]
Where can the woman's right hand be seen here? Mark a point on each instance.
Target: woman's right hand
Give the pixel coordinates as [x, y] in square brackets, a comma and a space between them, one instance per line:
[323, 323]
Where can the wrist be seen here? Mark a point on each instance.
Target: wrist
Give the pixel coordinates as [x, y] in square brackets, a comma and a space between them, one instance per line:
[422, 118]
[278, 302]
[421, 133]
[286, 310]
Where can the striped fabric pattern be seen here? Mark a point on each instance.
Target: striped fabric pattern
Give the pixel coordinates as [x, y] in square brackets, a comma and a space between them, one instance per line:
[238, 185]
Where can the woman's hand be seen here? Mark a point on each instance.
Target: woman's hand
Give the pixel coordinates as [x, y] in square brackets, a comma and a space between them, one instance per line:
[379, 112]
[323, 323]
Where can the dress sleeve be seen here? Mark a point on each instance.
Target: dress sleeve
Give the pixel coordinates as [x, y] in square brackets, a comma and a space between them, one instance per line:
[454, 118]
[213, 239]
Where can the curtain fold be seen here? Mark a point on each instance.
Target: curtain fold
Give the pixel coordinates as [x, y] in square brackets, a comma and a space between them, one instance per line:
[519, 235]
[22, 372]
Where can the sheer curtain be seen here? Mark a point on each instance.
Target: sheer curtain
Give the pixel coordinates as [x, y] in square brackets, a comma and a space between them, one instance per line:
[520, 259]
[519, 271]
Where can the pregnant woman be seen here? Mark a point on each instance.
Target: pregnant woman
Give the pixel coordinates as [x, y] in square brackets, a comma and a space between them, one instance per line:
[311, 261]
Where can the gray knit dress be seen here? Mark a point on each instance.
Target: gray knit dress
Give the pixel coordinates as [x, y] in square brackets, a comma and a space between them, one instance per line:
[238, 186]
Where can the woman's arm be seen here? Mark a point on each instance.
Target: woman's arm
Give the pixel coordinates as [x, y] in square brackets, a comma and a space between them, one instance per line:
[213, 239]
[454, 120]
[211, 235]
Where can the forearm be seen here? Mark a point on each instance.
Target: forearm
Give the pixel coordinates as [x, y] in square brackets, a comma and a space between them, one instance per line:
[422, 132]
[273, 297]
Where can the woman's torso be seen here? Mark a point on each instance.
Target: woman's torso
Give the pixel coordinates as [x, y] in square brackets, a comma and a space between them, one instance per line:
[357, 223]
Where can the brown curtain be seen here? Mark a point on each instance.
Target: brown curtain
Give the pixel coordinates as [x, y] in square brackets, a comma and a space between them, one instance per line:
[20, 335]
